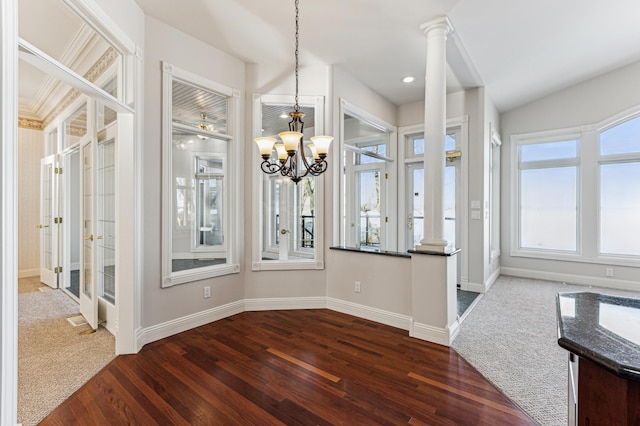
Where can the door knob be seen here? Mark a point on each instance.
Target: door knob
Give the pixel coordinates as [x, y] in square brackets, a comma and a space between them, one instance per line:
[89, 238]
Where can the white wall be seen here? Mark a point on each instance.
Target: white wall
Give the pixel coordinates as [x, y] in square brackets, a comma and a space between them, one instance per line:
[30, 151]
[163, 43]
[583, 104]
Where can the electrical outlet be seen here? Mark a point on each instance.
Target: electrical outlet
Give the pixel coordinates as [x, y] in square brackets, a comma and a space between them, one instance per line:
[357, 287]
[207, 292]
[608, 272]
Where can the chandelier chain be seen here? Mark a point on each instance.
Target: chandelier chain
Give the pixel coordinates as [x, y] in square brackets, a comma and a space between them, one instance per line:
[297, 107]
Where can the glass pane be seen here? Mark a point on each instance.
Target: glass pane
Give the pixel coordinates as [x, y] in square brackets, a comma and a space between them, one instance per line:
[418, 146]
[450, 204]
[306, 191]
[58, 31]
[198, 187]
[75, 127]
[47, 213]
[377, 149]
[450, 142]
[621, 139]
[549, 151]
[369, 208]
[418, 206]
[548, 208]
[200, 108]
[106, 115]
[87, 226]
[620, 208]
[106, 221]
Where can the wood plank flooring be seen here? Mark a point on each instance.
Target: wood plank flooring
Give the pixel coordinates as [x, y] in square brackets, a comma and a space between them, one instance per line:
[302, 367]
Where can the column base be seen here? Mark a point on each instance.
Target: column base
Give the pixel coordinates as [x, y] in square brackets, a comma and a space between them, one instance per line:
[440, 246]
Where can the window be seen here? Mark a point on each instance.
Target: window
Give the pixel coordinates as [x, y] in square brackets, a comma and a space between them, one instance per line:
[368, 165]
[288, 234]
[198, 139]
[548, 197]
[577, 193]
[619, 170]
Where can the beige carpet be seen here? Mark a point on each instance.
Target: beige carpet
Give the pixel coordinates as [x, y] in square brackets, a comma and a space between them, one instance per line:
[54, 360]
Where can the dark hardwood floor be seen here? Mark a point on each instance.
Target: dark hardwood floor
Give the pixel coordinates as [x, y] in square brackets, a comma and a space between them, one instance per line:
[303, 367]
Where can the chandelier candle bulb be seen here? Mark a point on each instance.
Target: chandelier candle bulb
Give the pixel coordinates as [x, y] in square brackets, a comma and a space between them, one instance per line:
[265, 145]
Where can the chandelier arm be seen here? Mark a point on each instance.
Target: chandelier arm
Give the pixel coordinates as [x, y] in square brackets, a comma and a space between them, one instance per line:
[270, 168]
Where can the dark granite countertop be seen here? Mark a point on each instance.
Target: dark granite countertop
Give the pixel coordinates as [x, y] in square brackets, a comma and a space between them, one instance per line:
[603, 329]
[373, 251]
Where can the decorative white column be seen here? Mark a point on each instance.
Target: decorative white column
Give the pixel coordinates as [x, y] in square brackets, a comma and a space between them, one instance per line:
[435, 125]
[433, 263]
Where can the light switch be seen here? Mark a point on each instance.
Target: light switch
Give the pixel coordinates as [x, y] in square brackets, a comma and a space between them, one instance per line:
[475, 204]
[475, 214]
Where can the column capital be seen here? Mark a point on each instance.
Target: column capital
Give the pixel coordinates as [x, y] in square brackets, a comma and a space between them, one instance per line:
[441, 23]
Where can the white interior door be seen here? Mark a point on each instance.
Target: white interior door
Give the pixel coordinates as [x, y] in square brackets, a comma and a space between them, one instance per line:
[106, 224]
[48, 222]
[71, 228]
[88, 286]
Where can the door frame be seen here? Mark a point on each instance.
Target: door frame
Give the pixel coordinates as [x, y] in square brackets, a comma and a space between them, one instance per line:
[50, 276]
[130, 160]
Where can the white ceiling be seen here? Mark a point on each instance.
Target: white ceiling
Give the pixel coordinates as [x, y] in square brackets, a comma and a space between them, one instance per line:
[521, 50]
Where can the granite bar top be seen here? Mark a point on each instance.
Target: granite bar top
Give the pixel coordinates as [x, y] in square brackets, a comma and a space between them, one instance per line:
[371, 250]
[603, 329]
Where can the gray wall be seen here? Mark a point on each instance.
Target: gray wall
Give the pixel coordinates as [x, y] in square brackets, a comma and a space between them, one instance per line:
[583, 104]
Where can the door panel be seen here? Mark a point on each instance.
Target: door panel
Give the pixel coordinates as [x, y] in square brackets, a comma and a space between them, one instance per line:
[88, 294]
[48, 225]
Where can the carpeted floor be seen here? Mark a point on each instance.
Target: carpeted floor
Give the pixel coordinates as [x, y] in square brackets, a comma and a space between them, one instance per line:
[511, 338]
[53, 359]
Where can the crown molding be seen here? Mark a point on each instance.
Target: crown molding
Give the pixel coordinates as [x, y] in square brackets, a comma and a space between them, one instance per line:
[26, 123]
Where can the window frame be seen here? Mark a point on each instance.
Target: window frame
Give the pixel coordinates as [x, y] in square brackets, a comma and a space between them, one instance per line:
[389, 167]
[517, 167]
[231, 199]
[588, 199]
[308, 260]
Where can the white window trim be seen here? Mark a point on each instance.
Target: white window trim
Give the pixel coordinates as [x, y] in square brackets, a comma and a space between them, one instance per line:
[232, 199]
[390, 231]
[317, 261]
[588, 211]
[494, 195]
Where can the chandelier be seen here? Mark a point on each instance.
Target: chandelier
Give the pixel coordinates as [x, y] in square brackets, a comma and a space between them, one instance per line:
[292, 160]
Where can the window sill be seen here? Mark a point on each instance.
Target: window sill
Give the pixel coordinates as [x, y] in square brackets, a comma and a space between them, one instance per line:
[567, 257]
[199, 274]
[284, 265]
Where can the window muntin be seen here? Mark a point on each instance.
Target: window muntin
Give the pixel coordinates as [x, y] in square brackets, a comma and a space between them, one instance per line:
[198, 147]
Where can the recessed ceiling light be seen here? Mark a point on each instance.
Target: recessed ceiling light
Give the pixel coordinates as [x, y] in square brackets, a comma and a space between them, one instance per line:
[408, 79]
[283, 115]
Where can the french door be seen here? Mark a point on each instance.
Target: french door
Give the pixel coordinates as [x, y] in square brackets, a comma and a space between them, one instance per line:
[49, 221]
[452, 202]
[88, 285]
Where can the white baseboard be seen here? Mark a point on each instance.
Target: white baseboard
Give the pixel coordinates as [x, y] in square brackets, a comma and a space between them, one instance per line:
[573, 279]
[440, 336]
[475, 287]
[372, 314]
[25, 273]
[492, 279]
[178, 325]
[273, 304]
